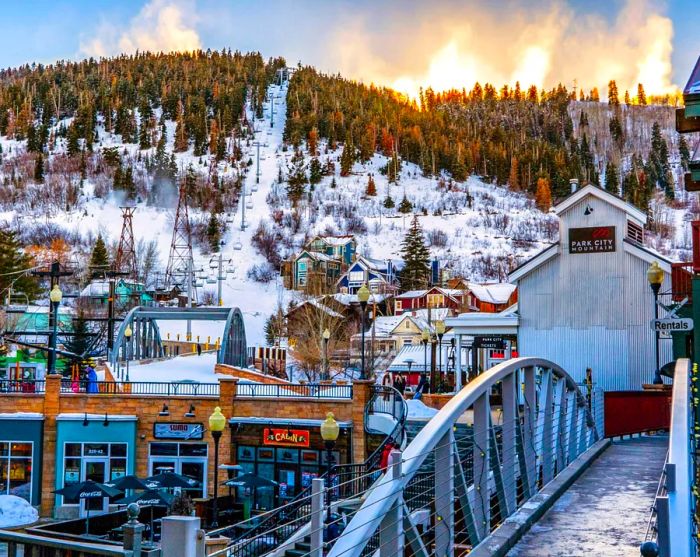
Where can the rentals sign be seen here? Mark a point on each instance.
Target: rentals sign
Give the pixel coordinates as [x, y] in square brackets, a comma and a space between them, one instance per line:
[672, 325]
[594, 239]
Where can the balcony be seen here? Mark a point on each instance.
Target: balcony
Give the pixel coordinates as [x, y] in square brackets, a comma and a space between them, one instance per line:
[681, 281]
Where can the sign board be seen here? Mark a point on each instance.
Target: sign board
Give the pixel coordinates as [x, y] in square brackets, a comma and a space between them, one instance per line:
[672, 325]
[173, 430]
[594, 239]
[286, 437]
[494, 342]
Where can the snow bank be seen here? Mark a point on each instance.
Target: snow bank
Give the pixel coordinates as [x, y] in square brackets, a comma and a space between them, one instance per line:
[15, 511]
[417, 409]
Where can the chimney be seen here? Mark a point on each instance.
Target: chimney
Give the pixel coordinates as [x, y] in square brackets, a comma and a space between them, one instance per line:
[574, 184]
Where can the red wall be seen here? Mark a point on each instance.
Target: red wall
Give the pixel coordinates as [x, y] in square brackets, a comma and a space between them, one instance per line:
[628, 412]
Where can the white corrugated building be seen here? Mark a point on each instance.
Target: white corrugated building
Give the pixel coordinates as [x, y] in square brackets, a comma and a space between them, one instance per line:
[585, 301]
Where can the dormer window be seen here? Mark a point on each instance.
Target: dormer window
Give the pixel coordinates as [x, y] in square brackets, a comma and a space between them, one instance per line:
[635, 233]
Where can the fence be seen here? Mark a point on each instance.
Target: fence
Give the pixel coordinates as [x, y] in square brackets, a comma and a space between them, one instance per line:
[31, 545]
[140, 388]
[19, 386]
[311, 390]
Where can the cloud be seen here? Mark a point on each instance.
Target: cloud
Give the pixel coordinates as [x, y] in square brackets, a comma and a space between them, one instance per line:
[161, 25]
[453, 45]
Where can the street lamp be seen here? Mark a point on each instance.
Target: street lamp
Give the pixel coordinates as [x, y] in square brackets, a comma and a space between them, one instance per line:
[217, 423]
[326, 337]
[55, 296]
[440, 330]
[424, 338]
[363, 297]
[127, 335]
[329, 433]
[655, 276]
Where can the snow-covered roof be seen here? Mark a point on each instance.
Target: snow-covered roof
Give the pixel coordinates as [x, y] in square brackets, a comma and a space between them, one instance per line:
[351, 299]
[497, 293]
[415, 354]
[383, 325]
[335, 240]
[318, 304]
[420, 293]
[316, 255]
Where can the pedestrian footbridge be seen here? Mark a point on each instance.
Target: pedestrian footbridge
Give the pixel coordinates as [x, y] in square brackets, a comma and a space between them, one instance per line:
[515, 464]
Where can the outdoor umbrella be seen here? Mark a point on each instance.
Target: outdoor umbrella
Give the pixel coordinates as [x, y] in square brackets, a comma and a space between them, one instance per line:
[128, 482]
[152, 498]
[252, 481]
[88, 490]
[169, 480]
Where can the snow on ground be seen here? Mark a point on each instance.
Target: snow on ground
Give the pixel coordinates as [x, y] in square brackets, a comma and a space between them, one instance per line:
[194, 368]
[15, 511]
[418, 410]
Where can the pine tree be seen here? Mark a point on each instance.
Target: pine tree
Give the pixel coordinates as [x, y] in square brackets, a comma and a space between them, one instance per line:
[684, 152]
[416, 256]
[128, 183]
[641, 95]
[613, 98]
[315, 173]
[312, 142]
[181, 139]
[39, 169]
[347, 158]
[543, 194]
[405, 206]
[612, 182]
[117, 183]
[389, 202]
[14, 259]
[73, 146]
[371, 187]
[334, 184]
[214, 233]
[514, 179]
[79, 343]
[296, 177]
[627, 98]
[99, 260]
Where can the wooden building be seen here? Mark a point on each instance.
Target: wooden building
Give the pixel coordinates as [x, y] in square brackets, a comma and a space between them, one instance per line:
[585, 302]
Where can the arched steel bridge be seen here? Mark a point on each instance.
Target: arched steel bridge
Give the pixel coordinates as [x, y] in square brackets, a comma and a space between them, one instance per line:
[146, 341]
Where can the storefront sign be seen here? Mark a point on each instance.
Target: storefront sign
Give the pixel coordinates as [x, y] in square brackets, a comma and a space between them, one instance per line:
[170, 430]
[286, 437]
[594, 239]
[672, 325]
[493, 342]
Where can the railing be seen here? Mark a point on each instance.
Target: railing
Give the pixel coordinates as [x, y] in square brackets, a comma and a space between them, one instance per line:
[262, 534]
[452, 486]
[20, 386]
[140, 388]
[310, 390]
[39, 545]
[682, 281]
[671, 521]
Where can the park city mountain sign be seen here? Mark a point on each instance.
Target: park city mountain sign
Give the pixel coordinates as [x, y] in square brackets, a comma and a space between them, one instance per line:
[594, 239]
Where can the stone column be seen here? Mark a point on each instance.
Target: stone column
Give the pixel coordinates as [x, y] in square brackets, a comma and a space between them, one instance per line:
[361, 393]
[52, 407]
[228, 387]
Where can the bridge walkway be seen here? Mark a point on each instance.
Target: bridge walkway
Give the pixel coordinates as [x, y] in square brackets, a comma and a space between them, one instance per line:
[605, 512]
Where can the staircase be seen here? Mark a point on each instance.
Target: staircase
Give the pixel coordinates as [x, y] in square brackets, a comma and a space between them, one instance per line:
[385, 415]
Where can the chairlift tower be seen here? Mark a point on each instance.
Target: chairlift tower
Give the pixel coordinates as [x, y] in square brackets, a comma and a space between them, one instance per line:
[180, 270]
[125, 261]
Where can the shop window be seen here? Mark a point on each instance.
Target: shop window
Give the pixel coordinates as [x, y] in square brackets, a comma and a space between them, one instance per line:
[193, 449]
[16, 469]
[163, 449]
[100, 462]
[188, 459]
[266, 454]
[246, 453]
[288, 456]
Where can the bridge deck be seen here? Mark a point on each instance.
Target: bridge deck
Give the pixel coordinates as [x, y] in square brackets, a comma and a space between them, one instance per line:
[606, 511]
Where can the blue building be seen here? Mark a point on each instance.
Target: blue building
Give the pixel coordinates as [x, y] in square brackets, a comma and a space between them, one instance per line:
[380, 276]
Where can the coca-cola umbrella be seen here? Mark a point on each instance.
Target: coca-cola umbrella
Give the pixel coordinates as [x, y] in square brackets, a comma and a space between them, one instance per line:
[170, 480]
[152, 498]
[128, 482]
[88, 490]
[252, 482]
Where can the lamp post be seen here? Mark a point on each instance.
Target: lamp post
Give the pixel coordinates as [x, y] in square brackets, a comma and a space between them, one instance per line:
[55, 296]
[424, 338]
[217, 423]
[326, 337]
[440, 330]
[363, 297]
[127, 335]
[329, 433]
[655, 276]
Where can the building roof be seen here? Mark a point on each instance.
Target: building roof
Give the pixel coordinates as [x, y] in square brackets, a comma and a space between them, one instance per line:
[420, 293]
[603, 195]
[334, 240]
[351, 299]
[497, 293]
[315, 255]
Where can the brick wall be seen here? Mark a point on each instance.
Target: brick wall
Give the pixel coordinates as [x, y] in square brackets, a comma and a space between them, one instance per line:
[146, 408]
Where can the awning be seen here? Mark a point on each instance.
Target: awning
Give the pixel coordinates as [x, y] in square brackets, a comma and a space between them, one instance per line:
[284, 421]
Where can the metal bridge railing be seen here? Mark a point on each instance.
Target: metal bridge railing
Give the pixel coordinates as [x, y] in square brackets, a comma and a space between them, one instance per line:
[671, 520]
[452, 486]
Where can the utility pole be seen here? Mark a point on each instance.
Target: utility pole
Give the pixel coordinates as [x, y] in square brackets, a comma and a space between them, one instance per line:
[272, 109]
[126, 252]
[54, 273]
[242, 202]
[221, 276]
[111, 275]
[190, 279]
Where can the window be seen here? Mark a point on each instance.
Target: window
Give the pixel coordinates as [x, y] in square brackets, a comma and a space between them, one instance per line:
[16, 469]
[101, 462]
[635, 233]
[398, 305]
[407, 325]
[356, 276]
[435, 300]
[407, 342]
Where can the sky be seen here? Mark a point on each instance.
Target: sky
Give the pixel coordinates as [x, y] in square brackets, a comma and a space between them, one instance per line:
[404, 44]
